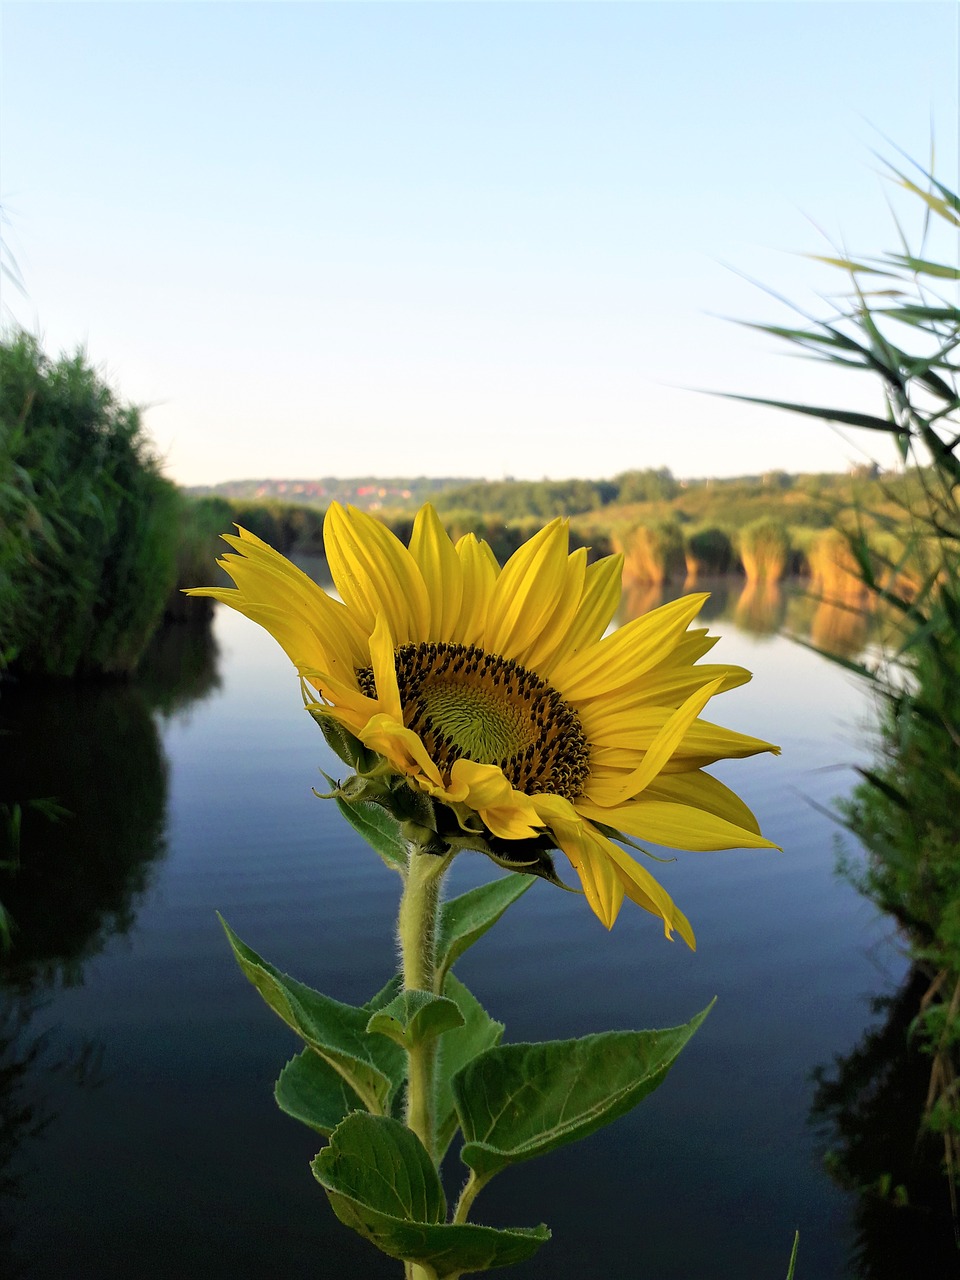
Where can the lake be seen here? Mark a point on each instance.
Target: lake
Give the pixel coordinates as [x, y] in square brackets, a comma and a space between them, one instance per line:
[137, 1065]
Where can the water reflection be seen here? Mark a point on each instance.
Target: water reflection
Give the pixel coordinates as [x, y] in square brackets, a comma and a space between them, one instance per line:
[180, 667]
[80, 873]
[868, 1109]
[96, 751]
[765, 609]
[32, 1074]
[760, 608]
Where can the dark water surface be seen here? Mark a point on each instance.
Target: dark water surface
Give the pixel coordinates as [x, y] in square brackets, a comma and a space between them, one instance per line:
[140, 1134]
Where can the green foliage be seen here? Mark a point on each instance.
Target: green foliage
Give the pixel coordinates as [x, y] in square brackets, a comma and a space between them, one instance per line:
[456, 1050]
[381, 1182]
[200, 522]
[653, 553]
[465, 919]
[764, 547]
[88, 526]
[518, 1101]
[710, 550]
[534, 500]
[906, 811]
[310, 1090]
[511, 1102]
[413, 1017]
[371, 1065]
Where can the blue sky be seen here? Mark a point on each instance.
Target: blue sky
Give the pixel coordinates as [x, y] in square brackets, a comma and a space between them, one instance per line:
[478, 239]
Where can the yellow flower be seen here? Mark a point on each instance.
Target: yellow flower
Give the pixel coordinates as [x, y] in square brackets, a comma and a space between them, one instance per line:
[498, 689]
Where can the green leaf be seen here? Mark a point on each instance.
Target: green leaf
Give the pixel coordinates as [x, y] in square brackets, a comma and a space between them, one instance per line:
[793, 1255]
[522, 1100]
[846, 416]
[311, 1091]
[382, 1184]
[372, 1066]
[926, 268]
[458, 1047]
[465, 919]
[380, 830]
[415, 1016]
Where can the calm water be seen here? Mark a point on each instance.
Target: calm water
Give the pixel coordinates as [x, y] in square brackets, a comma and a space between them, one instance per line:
[136, 1064]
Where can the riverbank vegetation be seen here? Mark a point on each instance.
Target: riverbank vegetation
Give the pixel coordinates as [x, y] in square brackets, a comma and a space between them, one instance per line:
[900, 323]
[762, 527]
[88, 525]
[94, 541]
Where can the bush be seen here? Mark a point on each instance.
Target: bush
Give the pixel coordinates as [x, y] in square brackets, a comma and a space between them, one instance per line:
[652, 553]
[709, 551]
[764, 547]
[88, 526]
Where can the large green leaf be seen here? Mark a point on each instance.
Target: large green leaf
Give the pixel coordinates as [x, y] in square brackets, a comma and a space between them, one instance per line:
[379, 828]
[311, 1091]
[381, 1182]
[458, 1047]
[521, 1100]
[465, 919]
[371, 1065]
[415, 1016]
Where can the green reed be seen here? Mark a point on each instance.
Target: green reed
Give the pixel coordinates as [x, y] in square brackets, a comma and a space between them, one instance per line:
[88, 525]
[900, 324]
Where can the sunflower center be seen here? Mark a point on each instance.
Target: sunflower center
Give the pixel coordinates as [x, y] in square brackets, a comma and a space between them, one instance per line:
[468, 704]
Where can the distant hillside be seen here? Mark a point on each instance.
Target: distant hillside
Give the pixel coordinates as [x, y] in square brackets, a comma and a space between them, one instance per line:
[632, 496]
[370, 493]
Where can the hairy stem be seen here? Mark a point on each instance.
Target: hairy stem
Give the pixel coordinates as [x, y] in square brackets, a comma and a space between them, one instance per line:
[417, 930]
[474, 1185]
[417, 925]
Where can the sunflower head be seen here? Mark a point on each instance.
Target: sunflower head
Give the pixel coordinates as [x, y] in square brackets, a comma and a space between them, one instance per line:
[491, 704]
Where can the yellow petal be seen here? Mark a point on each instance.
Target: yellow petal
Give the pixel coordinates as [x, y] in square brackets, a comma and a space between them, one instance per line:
[702, 791]
[264, 577]
[480, 572]
[641, 888]
[508, 813]
[640, 725]
[375, 573]
[664, 687]
[402, 747]
[598, 604]
[383, 663]
[538, 655]
[598, 876]
[621, 659]
[346, 704]
[666, 742]
[527, 592]
[678, 826]
[602, 859]
[440, 566]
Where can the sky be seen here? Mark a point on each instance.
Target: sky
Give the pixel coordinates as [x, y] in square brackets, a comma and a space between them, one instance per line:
[460, 239]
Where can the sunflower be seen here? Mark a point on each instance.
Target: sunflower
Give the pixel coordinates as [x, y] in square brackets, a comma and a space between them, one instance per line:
[497, 691]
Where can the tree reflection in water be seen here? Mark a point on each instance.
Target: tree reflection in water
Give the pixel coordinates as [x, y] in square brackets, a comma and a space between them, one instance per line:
[79, 880]
[868, 1109]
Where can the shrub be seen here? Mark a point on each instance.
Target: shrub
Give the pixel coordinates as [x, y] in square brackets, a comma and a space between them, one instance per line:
[709, 551]
[652, 553]
[89, 525]
[764, 547]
